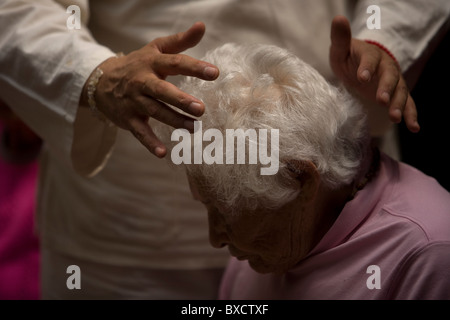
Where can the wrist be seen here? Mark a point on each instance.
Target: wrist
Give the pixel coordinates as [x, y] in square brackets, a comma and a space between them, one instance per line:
[89, 95]
[382, 47]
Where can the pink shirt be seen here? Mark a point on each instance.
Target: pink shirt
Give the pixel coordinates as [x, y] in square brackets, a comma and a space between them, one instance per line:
[392, 241]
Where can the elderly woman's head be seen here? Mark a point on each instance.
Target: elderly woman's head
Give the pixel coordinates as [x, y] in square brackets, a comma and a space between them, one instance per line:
[317, 132]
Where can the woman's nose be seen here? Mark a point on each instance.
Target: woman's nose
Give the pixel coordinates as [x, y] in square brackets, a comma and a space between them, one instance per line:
[218, 236]
[218, 240]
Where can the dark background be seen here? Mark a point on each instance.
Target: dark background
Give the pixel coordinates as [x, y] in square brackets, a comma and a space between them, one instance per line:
[429, 149]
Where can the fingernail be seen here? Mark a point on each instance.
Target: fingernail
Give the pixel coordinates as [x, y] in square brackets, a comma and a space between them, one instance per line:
[160, 152]
[397, 114]
[385, 97]
[210, 72]
[195, 108]
[188, 124]
[365, 75]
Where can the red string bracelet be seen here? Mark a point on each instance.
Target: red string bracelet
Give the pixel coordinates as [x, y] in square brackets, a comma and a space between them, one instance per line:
[379, 45]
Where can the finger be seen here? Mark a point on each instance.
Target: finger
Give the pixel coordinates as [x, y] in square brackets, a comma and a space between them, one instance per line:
[175, 64]
[410, 115]
[389, 76]
[368, 65]
[169, 93]
[341, 37]
[181, 41]
[165, 114]
[398, 102]
[142, 131]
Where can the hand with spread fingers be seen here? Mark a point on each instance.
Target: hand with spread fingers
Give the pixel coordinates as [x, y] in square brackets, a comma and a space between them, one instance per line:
[372, 72]
[133, 88]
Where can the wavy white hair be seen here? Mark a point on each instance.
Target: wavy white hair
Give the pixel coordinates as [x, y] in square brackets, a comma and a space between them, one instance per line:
[266, 87]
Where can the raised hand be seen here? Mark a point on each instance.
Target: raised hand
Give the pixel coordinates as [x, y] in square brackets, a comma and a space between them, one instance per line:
[371, 72]
[133, 87]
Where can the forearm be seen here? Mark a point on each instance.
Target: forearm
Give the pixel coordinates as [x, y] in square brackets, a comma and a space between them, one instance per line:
[44, 67]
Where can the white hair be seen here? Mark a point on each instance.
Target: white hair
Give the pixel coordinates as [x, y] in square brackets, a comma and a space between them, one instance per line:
[267, 87]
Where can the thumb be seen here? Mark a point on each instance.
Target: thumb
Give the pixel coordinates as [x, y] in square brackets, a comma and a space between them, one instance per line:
[341, 36]
[181, 41]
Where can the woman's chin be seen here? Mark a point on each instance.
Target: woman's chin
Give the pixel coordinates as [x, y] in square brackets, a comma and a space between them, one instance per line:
[263, 267]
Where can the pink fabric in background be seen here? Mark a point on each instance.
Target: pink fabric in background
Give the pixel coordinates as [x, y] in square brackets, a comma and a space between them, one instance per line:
[19, 247]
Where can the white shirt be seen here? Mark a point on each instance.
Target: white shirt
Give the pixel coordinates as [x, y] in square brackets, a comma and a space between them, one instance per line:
[102, 195]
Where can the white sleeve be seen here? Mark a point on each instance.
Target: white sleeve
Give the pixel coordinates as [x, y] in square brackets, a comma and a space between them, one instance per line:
[408, 28]
[43, 68]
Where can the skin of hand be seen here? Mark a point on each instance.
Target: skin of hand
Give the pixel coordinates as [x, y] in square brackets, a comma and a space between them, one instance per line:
[370, 71]
[133, 87]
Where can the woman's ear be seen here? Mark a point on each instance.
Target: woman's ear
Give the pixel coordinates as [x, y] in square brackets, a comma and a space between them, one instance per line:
[307, 175]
